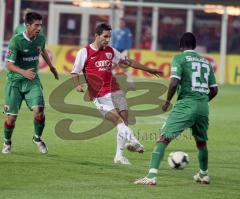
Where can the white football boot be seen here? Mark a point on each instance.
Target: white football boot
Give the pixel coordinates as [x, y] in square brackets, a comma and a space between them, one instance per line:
[121, 160]
[203, 180]
[6, 148]
[41, 146]
[135, 147]
[146, 181]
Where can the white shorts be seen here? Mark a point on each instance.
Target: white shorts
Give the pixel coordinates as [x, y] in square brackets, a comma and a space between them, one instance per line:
[110, 101]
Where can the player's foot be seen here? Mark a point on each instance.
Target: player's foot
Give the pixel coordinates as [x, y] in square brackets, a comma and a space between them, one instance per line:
[203, 179]
[6, 148]
[121, 160]
[146, 181]
[135, 147]
[41, 146]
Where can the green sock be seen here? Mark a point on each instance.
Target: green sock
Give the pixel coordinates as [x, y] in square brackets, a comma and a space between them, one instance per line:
[203, 158]
[38, 127]
[157, 156]
[8, 130]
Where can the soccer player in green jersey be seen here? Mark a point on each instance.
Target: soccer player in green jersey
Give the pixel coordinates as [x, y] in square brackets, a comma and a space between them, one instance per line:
[193, 78]
[23, 81]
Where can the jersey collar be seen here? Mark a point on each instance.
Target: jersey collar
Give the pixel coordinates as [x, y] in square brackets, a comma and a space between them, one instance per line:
[27, 38]
[189, 51]
[92, 47]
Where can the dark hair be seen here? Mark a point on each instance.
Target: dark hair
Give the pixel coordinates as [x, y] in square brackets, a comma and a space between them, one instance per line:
[31, 17]
[188, 41]
[101, 27]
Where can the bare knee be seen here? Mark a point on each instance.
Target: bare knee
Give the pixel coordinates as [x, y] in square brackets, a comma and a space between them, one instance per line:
[114, 117]
[124, 116]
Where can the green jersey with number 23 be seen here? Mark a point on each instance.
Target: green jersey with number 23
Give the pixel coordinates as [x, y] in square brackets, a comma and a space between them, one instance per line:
[195, 74]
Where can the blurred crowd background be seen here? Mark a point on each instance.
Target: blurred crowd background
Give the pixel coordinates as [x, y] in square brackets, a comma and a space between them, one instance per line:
[171, 24]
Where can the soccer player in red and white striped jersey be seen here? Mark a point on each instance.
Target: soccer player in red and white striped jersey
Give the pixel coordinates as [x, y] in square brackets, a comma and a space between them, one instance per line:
[96, 61]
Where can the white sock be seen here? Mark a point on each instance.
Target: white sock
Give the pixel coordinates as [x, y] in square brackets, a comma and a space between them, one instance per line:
[204, 172]
[121, 141]
[127, 133]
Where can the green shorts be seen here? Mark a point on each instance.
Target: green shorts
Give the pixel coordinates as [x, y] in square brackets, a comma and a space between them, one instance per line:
[187, 114]
[17, 91]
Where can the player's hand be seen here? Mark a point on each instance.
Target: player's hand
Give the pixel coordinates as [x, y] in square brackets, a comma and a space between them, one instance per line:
[54, 72]
[124, 64]
[165, 107]
[155, 72]
[79, 88]
[29, 73]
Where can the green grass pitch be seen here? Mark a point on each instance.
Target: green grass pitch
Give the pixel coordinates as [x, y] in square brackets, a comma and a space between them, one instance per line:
[85, 169]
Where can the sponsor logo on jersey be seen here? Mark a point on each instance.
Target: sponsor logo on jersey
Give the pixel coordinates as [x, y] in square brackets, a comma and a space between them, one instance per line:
[103, 65]
[108, 55]
[196, 59]
[200, 89]
[29, 59]
[25, 50]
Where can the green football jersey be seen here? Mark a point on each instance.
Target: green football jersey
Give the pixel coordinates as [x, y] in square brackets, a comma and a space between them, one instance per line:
[24, 53]
[195, 74]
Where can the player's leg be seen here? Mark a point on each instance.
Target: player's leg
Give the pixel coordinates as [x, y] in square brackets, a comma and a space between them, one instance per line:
[156, 158]
[35, 102]
[9, 126]
[106, 108]
[39, 124]
[114, 117]
[202, 175]
[199, 131]
[13, 100]
[133, 144]
[120, 103]
[175, 124]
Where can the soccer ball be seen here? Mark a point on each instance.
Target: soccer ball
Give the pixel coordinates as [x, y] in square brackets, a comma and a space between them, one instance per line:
[178, 160]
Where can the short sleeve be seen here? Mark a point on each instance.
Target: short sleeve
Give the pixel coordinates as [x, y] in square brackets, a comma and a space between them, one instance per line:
[79, 61]
[176, 68]
[212, 79]
[12, 51]
[118, 57]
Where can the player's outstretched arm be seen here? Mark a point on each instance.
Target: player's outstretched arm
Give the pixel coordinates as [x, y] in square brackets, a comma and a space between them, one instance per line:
[29, 74]
[134, 64]
[49, 63]
[171, 91]
[76, 82]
